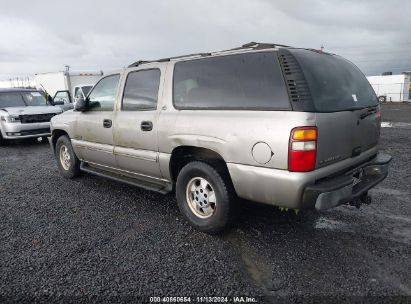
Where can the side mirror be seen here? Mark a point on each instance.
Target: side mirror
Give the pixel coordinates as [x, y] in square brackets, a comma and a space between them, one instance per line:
[58, 103]
[80, 105]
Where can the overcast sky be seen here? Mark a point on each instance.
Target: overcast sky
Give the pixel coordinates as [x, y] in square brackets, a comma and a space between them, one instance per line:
[43, 36]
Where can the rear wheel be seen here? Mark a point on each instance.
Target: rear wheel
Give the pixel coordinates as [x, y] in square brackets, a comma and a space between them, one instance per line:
[67, 161]
[205, 197]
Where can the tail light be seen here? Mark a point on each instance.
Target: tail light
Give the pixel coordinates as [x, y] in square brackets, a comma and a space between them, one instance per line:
[302, 151]
[378, 113]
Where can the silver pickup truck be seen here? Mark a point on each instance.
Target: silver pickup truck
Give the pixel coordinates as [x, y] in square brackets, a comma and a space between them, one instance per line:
[290, 127]
[24, 113]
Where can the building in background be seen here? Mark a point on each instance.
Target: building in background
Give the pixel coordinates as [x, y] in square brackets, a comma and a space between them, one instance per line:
[392, 88]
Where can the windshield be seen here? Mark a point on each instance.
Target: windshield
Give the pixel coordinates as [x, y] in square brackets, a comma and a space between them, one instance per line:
[21, 99]
[335, 83]
[34, 99]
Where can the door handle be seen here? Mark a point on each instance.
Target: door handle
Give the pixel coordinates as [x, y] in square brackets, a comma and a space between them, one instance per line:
[146, 126]
[107, 123]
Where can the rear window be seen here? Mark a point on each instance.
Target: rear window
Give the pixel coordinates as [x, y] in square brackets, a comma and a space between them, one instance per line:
[245, 81]
[335, 83]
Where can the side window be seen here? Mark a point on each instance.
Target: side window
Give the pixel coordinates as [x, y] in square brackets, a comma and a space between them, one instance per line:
[240, 81]
[141, 90]
[77, 93]
[86, 89]
[103, 96]
[62, 96]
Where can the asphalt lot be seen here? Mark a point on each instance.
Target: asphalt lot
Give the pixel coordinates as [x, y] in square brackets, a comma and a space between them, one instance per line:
[397, 112]
[90, 237]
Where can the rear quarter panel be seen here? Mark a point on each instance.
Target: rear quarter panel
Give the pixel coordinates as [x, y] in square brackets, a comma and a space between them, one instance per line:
[230, 133]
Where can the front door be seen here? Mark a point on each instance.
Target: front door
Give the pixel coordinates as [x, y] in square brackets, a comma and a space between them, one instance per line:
[63, 99]
[135, 124]
[94, 130]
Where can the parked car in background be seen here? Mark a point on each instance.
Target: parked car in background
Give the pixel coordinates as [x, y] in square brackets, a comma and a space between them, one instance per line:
[24, 113]
[289, 127]
[67, 86]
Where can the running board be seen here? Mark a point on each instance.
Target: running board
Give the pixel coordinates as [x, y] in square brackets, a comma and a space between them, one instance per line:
[163, 189]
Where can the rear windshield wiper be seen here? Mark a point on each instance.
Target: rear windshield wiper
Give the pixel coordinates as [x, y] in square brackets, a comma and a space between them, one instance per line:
[369, 112]
[361, 108]
[354, 108]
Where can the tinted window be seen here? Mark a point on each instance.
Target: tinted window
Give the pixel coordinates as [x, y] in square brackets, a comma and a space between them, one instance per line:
[335, 83]
[103, 96]
[243, 81]
[141, 90]
[86, 89]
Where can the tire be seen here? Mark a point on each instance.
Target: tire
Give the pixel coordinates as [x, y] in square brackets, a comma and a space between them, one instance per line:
[382, 98]
[64, 150]
[199, 184]
[2, 140]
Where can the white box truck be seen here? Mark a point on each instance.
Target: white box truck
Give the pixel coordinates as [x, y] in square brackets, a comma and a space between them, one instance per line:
[67, 86]
[392, 88]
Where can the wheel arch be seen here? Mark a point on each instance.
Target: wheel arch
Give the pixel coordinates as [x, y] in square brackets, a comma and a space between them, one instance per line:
[182, 155]
[55, 136]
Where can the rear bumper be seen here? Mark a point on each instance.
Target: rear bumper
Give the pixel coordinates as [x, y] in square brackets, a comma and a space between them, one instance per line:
[301, 190]
[346, 188]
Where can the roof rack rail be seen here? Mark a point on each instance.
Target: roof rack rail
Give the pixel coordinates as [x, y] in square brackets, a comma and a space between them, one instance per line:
[250, 45]
[137, 63]
[259, 45]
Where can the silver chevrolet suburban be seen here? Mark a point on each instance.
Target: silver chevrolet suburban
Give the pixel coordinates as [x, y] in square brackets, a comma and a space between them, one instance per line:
[290, 127]
[24, 113]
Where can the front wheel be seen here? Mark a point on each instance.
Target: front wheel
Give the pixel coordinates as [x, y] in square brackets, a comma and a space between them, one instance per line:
[205, 197]
[67, 161]
[2, 140]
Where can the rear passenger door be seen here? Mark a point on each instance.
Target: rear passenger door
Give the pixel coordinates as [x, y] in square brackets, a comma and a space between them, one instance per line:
[135, 124]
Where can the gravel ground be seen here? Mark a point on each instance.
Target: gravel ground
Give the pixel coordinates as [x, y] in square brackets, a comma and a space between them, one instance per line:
[92, 238]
